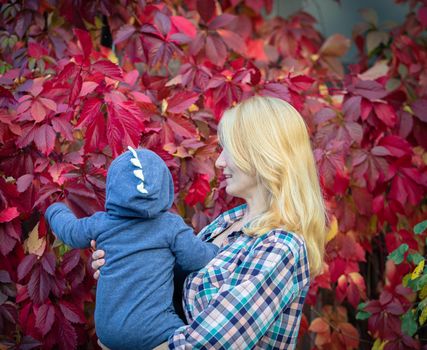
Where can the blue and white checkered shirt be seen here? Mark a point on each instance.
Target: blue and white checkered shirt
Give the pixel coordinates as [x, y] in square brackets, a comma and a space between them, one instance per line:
[250, 296]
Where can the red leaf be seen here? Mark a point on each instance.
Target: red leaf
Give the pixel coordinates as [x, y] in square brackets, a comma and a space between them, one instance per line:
[180, 102]
[96, 136]
[397, 146]
[85, 41]
[65, 334]
[216, 50]
[39, 286]
[70, 260]
[48, 262]
[181, 126]
[385, 113]
[234, 41]
[71, 312]
[45, 316]
[44, 138]
[90, 111]
[184, 26]
[276, 90]
[221, 21]
[369, 89]
[109, 69]
[124, 33]
[38, 111]
[206, 8]
[422, 16]
[36, 50]
[420, 106]
[198, 190]
[8, 214]
[26, 265]
[75, 89]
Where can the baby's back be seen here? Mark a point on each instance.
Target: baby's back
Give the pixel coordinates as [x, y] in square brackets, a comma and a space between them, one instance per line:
[134, 307]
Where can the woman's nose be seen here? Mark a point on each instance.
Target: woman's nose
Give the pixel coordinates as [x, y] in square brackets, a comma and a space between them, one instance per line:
[220, 161]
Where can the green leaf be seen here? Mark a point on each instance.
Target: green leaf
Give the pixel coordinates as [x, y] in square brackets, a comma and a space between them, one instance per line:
[363, 315]
[420, 227]
[415, 258]
[409, 323]
[422, 305]
[398, 254]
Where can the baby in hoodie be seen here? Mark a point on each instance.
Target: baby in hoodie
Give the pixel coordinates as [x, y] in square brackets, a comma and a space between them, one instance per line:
[143, 241]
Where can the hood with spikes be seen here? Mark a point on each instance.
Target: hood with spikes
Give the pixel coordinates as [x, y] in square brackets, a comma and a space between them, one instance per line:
[139, 184]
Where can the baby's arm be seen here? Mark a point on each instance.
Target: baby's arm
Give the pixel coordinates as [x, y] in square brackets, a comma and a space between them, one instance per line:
[72, 231]
[190, 251]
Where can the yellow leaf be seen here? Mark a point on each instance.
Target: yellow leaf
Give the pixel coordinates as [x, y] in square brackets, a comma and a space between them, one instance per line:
[193, 108]
[164, 106]
[112, 57]
[33, 244]
[423, 316]
[418, 270]
[333, 230]
[379, 344]
[423, 292]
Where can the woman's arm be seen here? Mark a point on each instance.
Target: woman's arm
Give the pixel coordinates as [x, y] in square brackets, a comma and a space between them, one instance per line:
[247, 303]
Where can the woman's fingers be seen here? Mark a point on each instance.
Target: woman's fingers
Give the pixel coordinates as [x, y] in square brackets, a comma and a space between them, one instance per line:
[103, 347]
[96, 264]
[93, 244]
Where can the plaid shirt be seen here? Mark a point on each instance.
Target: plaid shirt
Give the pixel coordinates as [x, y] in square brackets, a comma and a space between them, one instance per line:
[250, 296]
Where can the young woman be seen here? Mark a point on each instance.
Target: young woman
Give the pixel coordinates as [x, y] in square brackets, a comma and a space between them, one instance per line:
[250, 296]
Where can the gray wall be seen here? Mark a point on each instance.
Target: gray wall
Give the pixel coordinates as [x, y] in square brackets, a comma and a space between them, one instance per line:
[340, 17]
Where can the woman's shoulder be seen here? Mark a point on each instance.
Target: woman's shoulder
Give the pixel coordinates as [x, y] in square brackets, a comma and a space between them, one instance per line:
[284, 240]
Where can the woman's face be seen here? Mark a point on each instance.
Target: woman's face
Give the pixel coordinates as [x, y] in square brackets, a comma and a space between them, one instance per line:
[239, 184]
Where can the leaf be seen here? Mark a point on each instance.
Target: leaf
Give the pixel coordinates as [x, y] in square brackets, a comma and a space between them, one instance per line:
[369, 89]
[385, 113]
[26, 266]
[89, 112]
[24, 182]
[44, 138]
[75, 89]
[418, 270]
[38, 111]
[45, 317]
[276, 90]
[375, 39]
[33, 244]
[71, 312]
[422, 16]
[216, 50]
[65, 334]
[70, 260]
[420, 109]
[420, 227]
[180, 101]
[124, 33]
[222, 21]
[319, 325]
[399, 253]
[409, 323]
[184, 26]
[39, 286]
[85, 41]
[206, 9]
[109, 69]
[8, 214]
[234, 41]
[198, 190]
[333, 229]
[415, 258]
[336, 45]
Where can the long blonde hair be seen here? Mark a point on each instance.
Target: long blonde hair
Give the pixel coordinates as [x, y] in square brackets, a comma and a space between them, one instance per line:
[268, 138]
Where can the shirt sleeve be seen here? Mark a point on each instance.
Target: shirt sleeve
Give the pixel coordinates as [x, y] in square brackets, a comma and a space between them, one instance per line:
[247, 304]
[68, 228]
[190, 251]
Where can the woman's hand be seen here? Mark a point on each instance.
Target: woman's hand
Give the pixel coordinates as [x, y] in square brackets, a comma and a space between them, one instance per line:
[97, 259]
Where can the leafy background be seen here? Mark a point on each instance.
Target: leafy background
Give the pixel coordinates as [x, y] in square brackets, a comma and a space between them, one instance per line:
[81, 80]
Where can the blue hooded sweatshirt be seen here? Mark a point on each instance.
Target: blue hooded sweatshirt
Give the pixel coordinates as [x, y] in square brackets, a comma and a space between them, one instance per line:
[142, 241]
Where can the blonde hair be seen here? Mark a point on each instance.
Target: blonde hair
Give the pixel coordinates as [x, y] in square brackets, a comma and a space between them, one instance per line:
[268, 138]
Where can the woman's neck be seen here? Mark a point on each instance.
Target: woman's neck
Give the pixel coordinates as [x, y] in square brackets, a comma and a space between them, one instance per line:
[256, 205]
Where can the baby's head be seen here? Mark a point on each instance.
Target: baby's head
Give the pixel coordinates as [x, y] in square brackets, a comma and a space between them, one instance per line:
[139, 184]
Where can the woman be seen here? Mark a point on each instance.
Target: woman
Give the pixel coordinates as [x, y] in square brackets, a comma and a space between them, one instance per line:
[250, 296]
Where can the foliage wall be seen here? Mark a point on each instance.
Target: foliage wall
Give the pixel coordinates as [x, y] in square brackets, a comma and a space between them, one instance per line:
[81, 80]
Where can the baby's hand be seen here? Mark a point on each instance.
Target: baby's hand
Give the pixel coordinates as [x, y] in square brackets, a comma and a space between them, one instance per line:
[97, 259]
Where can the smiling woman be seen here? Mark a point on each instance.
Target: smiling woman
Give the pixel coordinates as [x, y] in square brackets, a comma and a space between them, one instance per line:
[250, 296]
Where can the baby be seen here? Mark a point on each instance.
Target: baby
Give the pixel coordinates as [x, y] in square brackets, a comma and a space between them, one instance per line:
[143, 241]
